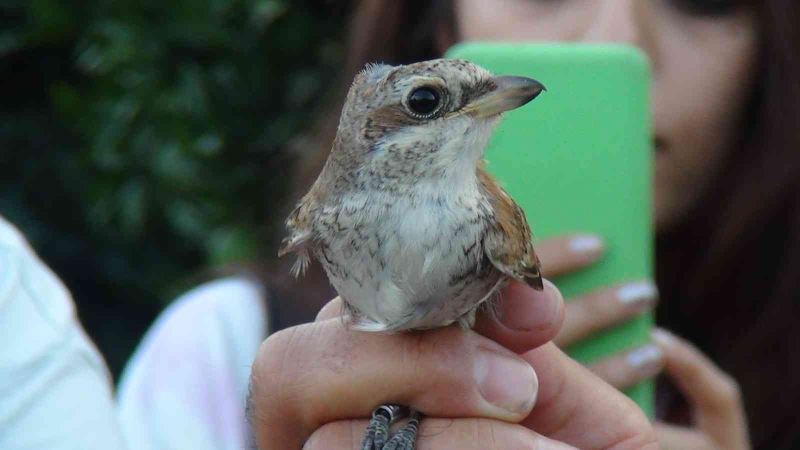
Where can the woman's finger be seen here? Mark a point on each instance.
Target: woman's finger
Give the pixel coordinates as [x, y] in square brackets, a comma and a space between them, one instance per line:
[601, 309]
[713, 394]
[679, 438]
[627, 368]
[525, 318]
[576, 407]
[565, 254]
[466, 434]
[312, 374]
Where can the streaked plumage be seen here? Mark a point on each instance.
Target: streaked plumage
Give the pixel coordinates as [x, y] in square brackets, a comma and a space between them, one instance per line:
[411, 229]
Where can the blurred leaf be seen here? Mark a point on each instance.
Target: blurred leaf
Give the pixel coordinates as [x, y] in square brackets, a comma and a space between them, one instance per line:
[142, 141]
[229, 245]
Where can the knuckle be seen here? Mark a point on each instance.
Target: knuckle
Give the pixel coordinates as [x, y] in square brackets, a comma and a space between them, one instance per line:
[270, 351]
[278, 362]
[438, 358]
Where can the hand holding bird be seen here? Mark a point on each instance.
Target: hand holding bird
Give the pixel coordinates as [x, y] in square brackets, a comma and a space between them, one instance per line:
[410, 228]
[311, 381]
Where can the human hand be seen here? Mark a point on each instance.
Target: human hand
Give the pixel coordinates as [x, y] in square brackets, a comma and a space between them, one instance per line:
[719, 420]
[714, 395]
[310, 381]
[601, 309]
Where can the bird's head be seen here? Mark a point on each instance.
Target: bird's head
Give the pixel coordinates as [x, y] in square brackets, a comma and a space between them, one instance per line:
[401, 124]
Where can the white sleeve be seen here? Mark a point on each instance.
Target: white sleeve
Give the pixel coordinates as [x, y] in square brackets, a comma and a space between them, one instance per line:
[186, 385]
[55, 390]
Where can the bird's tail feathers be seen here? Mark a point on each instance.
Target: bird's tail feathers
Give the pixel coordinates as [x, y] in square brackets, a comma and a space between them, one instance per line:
[301, 264]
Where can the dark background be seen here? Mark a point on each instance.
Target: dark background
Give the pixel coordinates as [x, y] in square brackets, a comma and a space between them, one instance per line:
[143, 142]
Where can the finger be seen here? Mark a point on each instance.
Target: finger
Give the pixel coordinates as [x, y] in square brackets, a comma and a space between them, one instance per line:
[679, 438]
[333, 308]
[525, 319]
[576, 407]
[466, 434]
[601, 309]
[312, 374]
[565, 254]
[628, 368]
[713, 394]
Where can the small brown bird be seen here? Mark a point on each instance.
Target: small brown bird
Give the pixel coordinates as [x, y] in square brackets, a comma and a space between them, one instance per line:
[410, 228]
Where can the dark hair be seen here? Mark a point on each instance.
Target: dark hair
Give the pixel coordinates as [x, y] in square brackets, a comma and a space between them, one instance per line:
[730, 274]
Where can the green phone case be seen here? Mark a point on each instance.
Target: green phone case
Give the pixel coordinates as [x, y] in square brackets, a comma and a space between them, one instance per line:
[578, 158]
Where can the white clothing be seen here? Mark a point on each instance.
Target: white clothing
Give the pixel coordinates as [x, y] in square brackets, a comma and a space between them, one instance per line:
[55, 390]
[186, 385]
[184, 388]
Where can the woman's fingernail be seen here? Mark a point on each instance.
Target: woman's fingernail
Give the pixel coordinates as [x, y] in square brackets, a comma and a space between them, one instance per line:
[506, 382]
[642, 357]
[586, 244]
[662, 336]
[639, 293]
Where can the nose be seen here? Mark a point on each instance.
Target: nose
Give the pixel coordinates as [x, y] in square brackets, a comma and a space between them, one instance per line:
[617, 21]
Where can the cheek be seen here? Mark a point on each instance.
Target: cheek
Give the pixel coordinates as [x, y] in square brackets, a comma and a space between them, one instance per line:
[702, 81]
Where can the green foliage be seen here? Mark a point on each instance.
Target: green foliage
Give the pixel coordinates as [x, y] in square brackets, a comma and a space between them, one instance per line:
[142, 141]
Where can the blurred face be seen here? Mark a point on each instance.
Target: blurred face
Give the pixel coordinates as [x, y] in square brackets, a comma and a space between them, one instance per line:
[703, 59]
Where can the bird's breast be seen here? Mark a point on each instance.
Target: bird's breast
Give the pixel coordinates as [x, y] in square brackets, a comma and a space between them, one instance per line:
[408, 262]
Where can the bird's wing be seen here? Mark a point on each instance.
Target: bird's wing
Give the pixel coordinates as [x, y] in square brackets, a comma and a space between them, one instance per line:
[300, 237]
[507, 241]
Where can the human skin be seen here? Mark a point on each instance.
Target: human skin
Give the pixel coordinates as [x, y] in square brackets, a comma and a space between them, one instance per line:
[310, 380]
[703, 68]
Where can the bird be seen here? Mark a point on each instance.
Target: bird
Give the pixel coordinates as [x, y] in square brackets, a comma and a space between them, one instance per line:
[411, 229]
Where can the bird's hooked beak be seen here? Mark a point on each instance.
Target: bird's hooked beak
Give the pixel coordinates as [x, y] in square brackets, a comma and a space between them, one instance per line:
[510, 92]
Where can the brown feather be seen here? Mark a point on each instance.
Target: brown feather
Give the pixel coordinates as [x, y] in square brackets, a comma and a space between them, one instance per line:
[298, 225]
[508, 238]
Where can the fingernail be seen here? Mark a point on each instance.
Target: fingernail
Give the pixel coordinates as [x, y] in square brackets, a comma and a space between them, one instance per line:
[644, 356]
[586, 244]
[639, 293]
[662, 336]
[506, 382]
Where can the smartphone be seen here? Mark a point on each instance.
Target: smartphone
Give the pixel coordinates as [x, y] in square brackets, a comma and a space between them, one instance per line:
[579, 158]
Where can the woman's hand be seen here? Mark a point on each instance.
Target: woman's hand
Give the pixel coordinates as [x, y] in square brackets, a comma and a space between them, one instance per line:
[713, 395]
[310, 382]
[601, 309]
[717, 410]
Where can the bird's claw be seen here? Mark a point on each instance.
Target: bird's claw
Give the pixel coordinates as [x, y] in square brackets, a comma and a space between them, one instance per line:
[377, 437]
[407, 436]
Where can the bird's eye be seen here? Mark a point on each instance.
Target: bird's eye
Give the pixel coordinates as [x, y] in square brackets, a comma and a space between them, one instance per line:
[424, 102]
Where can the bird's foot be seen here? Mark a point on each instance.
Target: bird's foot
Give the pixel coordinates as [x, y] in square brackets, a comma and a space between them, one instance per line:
[383, 417]
[407, 436]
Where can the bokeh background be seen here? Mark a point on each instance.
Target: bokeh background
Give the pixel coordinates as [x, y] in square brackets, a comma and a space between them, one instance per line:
[143, 143]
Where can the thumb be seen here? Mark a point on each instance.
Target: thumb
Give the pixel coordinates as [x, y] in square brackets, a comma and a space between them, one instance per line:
[313, 374]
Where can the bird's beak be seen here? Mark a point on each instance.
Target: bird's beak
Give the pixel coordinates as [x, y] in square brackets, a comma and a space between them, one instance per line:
[509, 93]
